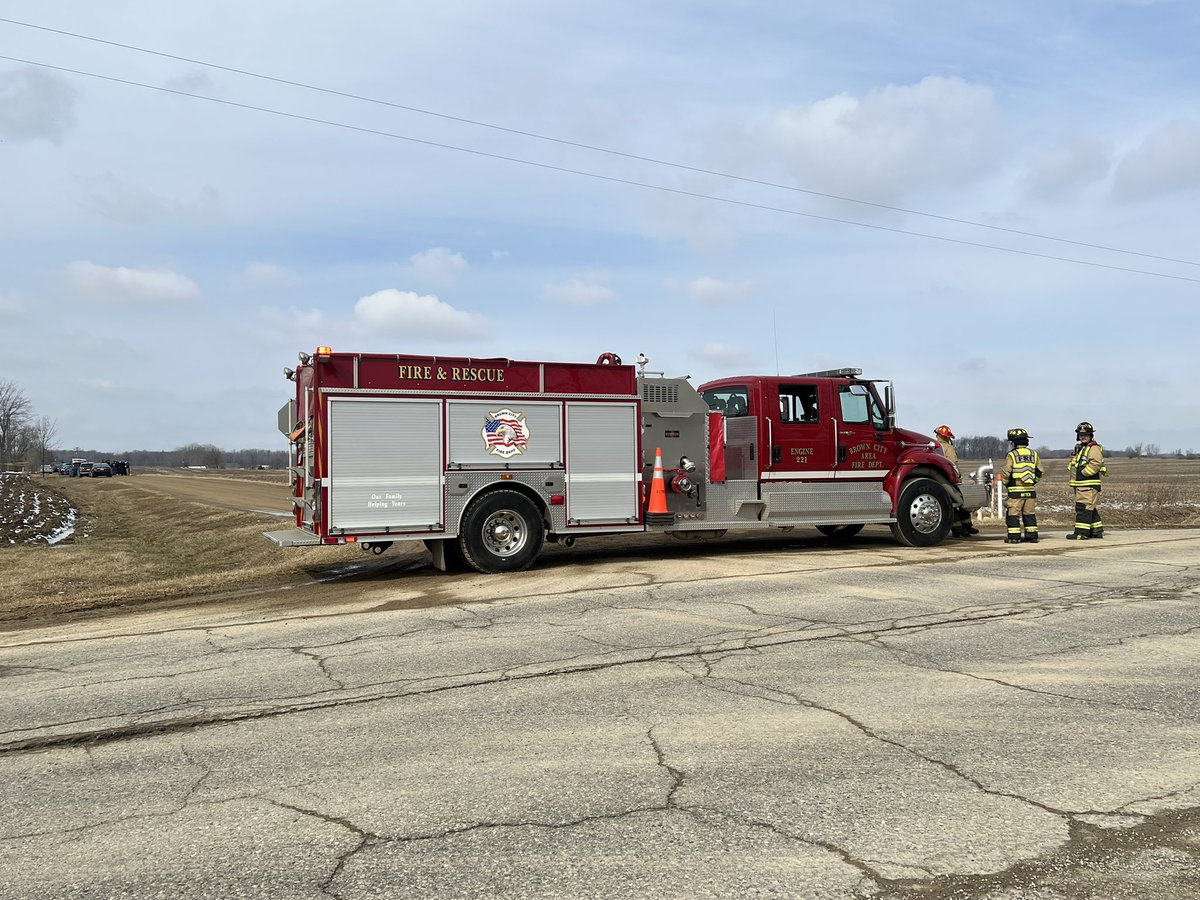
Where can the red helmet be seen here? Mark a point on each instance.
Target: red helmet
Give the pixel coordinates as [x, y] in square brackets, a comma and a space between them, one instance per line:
[944, 431]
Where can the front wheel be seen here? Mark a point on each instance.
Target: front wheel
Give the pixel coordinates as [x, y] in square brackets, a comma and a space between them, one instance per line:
[839, 532]
[922, 514]
[502, 531]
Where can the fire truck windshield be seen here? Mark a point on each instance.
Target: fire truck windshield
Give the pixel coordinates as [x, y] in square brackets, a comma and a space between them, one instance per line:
[859, 406]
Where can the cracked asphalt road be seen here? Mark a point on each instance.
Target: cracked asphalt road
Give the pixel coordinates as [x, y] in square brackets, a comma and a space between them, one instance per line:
[772, 718]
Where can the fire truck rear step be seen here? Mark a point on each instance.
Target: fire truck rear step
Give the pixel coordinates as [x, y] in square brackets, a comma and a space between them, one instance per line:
[292, 537]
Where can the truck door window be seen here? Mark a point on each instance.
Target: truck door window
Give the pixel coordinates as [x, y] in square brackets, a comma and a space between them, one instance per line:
[733, 400]
[859, 407]
[798, 404]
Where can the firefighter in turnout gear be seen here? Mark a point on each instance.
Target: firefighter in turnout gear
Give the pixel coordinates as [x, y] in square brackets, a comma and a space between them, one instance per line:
[963, 526]
[1020, 474]
[1086, 469]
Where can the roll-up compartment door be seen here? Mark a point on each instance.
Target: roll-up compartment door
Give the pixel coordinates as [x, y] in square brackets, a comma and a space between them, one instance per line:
[385, 464]
[602, 463]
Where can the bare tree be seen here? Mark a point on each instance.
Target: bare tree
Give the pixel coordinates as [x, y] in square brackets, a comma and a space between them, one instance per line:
[15, 410]
[45, 430]
[208, 455]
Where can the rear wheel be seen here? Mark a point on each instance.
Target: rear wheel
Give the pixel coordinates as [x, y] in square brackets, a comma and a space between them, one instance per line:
[502, 531]
[839, 532]
[922, 513]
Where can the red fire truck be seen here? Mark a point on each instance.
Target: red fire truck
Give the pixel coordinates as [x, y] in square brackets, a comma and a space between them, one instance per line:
[486, 459]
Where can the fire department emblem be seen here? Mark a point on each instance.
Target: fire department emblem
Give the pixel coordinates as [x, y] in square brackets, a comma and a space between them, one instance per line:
[505, 433]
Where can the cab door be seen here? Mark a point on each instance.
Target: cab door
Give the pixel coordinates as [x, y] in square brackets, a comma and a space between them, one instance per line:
[866, 446]
[801, 430]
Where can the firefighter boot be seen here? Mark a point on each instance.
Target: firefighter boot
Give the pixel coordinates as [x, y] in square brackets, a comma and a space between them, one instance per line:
[1012, 525]
[1031, 532]
[1083, 524]
[1097, 525]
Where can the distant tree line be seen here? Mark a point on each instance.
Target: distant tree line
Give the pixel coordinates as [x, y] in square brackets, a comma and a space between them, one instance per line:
[28, 440]
[208, 455]
[988, 447]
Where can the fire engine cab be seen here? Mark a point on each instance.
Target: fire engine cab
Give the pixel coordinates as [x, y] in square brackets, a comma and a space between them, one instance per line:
[486, 459]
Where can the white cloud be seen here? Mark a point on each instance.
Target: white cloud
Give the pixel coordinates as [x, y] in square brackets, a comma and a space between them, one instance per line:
[1063, 172]
[35, 104]
[499, 254]
[268, 274]
[722, 356]
[393, 311]
[439, 266]
[578, 292]
[130, 204]
[893, 141]
[99, 384]
[191, 83]
[714, 291]
[128, 286]
[1167, 161]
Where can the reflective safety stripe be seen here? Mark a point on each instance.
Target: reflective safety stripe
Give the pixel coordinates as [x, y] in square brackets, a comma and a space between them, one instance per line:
[1085, 471]
[1025, 465]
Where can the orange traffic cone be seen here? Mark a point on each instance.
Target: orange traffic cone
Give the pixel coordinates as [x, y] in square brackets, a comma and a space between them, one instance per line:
[656, 513]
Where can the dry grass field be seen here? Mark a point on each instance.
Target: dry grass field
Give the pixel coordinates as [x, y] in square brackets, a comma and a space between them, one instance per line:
[168, 535]
[132, 544]
[1138, 493]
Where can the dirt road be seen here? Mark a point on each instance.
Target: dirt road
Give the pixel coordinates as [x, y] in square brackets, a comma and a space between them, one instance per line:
[229, 492]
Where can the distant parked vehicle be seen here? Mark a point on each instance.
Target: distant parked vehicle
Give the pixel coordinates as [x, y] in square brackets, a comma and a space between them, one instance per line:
[47, 469]
[101, 470]
[84, 470]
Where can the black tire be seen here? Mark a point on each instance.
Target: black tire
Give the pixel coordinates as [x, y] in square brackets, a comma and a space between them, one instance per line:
[839, 532]
[502, 531]
[923, 513]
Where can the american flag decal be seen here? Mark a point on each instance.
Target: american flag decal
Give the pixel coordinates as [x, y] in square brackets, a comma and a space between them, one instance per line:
[505, 433]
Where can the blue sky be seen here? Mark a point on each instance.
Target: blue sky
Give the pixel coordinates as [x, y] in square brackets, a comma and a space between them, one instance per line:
[164, 257]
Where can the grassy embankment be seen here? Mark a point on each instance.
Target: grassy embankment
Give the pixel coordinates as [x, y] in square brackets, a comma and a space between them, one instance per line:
[131, 546]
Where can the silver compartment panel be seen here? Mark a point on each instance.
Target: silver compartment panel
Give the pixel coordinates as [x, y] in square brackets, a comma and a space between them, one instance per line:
[385, 464]
[602, 464]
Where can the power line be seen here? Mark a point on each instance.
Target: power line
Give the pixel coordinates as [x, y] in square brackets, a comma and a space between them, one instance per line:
[580, 172]
[592, 147]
